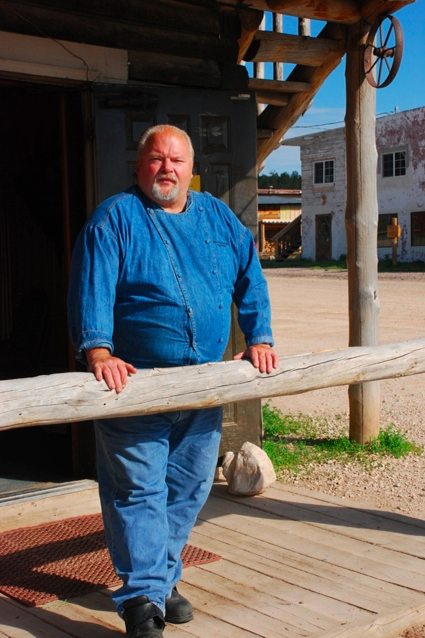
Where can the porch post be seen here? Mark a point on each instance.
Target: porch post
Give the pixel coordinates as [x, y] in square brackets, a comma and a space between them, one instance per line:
[361, 228]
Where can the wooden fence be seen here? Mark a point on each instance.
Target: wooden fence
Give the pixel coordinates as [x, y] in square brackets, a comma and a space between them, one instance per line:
[77, 396]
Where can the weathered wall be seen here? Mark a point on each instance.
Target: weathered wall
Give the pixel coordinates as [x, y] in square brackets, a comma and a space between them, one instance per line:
[320, 200]
[404, 194]
[399, 195]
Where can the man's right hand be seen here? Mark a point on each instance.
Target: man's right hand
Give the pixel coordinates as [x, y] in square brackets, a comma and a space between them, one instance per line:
[112, 369]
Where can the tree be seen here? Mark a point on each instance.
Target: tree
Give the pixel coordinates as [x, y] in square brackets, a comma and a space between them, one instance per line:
[284, 180]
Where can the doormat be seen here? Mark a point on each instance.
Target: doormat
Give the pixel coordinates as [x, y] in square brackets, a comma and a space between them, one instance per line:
[64, 559]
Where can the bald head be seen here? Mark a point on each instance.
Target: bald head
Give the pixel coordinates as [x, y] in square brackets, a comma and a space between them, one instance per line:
[167, 129]
[164, 166]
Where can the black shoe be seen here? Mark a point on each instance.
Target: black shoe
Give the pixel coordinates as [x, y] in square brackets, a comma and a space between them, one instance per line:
[177, 608]
[143, 619]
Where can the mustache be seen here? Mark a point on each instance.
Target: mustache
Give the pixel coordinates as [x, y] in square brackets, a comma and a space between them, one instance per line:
[163, 175]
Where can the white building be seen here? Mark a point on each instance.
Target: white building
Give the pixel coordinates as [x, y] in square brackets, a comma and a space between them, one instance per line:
[400, 139]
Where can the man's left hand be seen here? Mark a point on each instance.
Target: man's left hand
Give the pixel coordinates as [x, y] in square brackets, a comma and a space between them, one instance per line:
[262, 356]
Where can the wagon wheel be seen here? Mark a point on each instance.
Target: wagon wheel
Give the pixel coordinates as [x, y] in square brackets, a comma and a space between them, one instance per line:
[383, 51]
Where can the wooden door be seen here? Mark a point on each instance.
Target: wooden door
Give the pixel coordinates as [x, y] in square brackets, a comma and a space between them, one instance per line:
[43, 206]
[323, 237]
[222, 129]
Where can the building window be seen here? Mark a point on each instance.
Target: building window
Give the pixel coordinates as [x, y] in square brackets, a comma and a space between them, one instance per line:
[324, 172]
[394, 164]
[383, 222]
[418, 228]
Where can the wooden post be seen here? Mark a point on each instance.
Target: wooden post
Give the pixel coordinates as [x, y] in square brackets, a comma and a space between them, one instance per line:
[361, 226]
[277, 28]
[304, 26]
[259, 69]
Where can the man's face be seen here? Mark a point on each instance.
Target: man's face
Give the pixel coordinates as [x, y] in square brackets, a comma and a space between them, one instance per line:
[164, 170]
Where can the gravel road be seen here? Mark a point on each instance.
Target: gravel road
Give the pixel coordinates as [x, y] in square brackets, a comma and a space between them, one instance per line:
[310, 313]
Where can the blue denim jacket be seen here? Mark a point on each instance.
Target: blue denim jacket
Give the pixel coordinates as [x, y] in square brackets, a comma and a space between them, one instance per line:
[156, 287]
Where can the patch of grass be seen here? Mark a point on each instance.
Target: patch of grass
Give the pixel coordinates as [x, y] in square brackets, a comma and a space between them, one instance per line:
[384, 265]
[293, 443]
[332, 264]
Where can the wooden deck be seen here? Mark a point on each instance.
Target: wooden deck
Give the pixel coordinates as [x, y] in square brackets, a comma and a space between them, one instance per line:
[295, 564]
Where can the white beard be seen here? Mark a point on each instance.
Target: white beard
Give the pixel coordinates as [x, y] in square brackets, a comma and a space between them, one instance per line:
[162, 193]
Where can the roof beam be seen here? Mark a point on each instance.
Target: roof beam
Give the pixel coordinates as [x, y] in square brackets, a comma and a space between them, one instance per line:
[343, 11]
[268, 46]
[280, 119]
[257, 84]
[250, 21]
[272, 97]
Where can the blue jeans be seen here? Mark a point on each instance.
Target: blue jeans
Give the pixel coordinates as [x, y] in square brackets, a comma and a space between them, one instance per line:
[155, 473]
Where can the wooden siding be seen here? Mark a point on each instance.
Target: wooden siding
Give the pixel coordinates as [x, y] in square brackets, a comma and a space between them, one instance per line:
[284, 212]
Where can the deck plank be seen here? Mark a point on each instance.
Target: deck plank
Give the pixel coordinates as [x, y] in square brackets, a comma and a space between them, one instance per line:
[295, 564]
[407, 536]
[238, 615]
[17, 621]
[226, 585]
[317, 597]
[309, 575]
[351, 504]
[328, 545]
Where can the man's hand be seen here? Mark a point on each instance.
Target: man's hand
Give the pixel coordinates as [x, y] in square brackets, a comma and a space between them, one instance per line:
[105, 366]
[262, 356]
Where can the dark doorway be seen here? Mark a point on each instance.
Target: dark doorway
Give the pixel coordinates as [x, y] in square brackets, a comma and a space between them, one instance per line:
[323, 237]
[43, 206]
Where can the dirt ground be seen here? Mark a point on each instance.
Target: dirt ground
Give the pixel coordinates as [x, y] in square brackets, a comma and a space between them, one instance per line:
[310, 313]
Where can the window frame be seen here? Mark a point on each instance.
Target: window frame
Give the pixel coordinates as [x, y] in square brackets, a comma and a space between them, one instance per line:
[323, 183]
[397, 170]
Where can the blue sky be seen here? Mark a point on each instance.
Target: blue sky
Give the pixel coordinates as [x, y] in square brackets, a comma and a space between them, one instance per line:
[407, 91]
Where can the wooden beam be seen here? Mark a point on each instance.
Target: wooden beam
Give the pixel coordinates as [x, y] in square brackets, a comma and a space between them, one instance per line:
[29, 19]
[257, 84]
[342, 11]
[272, 97]
[361, 225]
[176, 70]
[250, 20]
[268, 46]
[372, 9]
[187, 15]
[77, 396]
[281, 119]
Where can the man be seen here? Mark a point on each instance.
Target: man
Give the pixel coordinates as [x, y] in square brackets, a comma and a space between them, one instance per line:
[154, 273]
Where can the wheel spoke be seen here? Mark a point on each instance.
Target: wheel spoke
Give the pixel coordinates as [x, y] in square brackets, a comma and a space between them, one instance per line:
[373, 65]
[388, 34]
[381, 35]
[379, 72]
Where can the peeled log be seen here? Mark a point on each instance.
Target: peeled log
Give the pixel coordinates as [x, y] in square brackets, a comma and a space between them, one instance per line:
[77, 396]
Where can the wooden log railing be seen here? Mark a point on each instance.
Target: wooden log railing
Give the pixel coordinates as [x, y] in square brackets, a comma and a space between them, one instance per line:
[77, 396]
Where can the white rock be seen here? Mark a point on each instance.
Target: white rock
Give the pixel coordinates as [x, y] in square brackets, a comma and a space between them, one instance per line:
[249, 471]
